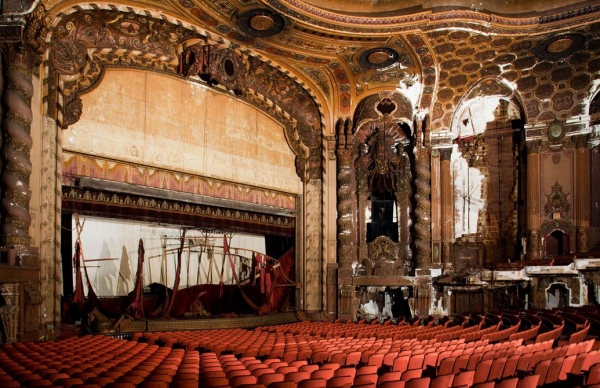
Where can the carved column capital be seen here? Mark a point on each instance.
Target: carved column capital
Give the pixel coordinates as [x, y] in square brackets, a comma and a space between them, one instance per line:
[580, 141]
[533, 147]
[37, 29]
[445, 153]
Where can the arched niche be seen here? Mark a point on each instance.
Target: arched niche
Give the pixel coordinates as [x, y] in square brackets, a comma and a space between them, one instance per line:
[383, 164]
[594, 109]
[557, 238]
[558, 295]
[487, 126]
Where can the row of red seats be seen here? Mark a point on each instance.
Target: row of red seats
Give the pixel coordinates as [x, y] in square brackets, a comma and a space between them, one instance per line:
[501, 335]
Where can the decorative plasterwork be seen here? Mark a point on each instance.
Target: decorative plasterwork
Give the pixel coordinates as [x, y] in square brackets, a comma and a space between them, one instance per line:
[378, 57]
[117, 205]
[366, 111]
[77, 167]
[557, 205]
[384, 258]
[299, 10]
[215, 66]
[86, 42]
[260, 22]
[545, 89]
[381, 162]
[559, 46]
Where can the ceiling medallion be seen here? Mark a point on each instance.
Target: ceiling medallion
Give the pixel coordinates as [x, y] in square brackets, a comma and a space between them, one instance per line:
[559, 46]
[556, 132]
[378, 58]
[261, 22]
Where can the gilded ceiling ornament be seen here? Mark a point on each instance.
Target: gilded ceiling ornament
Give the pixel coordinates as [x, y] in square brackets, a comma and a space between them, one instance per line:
[378, 58]
[559, 46]
[261, 22]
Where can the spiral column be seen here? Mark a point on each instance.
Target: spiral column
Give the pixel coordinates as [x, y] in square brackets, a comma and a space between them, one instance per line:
[423, 207]
[345, 219]
[16, 146]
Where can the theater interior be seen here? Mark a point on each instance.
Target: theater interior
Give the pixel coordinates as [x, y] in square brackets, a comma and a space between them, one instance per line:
[203, 193]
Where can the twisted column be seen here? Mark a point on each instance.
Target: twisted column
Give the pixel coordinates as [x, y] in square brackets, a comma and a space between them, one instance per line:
[345, 225]
[423, 206]
[345, 219]
[16, 146]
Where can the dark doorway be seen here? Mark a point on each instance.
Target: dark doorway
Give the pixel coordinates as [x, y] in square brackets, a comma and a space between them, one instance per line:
[557, 243]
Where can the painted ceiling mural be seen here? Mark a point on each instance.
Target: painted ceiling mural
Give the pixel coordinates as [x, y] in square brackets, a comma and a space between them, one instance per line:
[547, 54]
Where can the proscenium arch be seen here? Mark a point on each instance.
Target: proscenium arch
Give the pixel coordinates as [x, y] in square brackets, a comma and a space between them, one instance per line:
[491, 87]
[86, 42]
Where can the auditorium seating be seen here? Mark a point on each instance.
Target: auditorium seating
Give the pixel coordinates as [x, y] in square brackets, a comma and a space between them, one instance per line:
[492, 352]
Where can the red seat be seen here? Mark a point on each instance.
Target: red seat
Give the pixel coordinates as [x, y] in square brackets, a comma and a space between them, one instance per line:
[400, 364]
[411, 374]
[463, 378]
[508, 383]
[541, 369]
[340, 382]
[482, 371]
[241, 380]
[346, 371]
[353, 358]
[393, 384]
[421, 382]
[446, 366]
[510, 368]
[416, 361]
[593, 377]
[486, 384]
[442, 381]
[324, 374]
[312, 383]
[460, 363]
[364, 379]
[566, 367]
[497, 368]
[269, 378]
[389, 376]
[530, 381]
[282, 384]
[297, 376]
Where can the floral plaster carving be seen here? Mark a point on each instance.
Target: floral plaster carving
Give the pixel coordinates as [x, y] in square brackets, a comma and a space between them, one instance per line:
[9, 311]
[557, 203]
[313, 271]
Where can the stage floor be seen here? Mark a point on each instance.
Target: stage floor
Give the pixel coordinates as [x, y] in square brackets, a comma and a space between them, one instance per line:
[246, 322]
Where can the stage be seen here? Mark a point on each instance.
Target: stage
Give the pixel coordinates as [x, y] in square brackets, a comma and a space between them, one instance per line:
[142, 325]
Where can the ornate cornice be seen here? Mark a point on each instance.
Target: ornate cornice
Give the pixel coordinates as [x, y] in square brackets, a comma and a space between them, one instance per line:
[317, 17]
[114, 173]
[125, 206]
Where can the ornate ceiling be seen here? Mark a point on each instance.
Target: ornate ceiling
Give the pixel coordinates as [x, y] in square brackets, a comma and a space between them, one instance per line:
[404, 7]
[546, 53]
